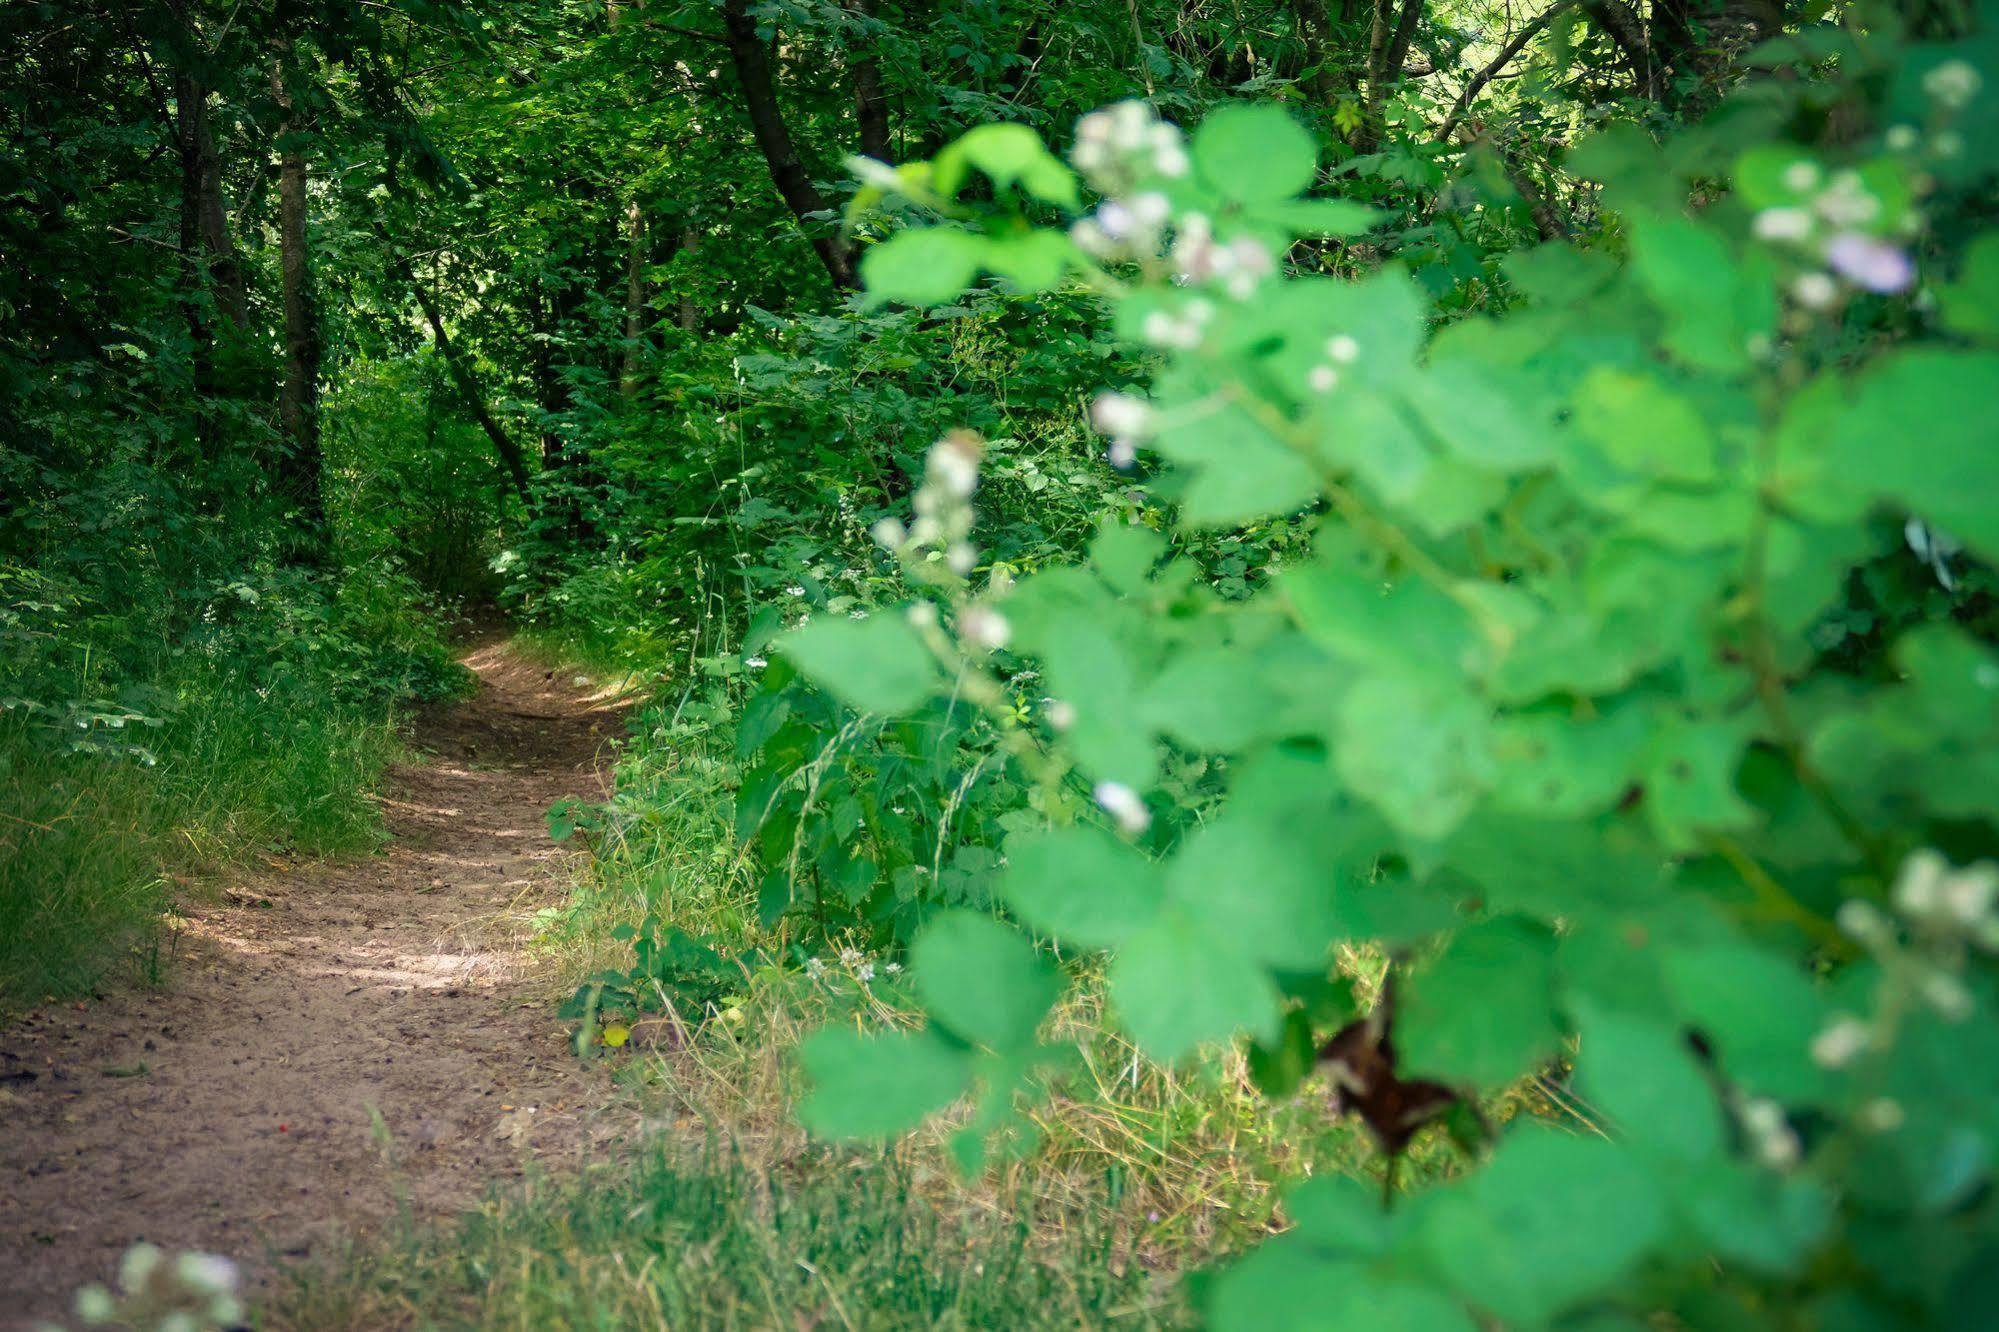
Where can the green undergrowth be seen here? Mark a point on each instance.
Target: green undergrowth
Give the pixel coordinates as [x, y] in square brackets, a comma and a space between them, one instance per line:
[144, 750]
[673, 1236]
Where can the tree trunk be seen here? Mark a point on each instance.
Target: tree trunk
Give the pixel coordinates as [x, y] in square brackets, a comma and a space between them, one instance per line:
[299, 466]
[635, 304]
[787, 172]
[461, 374]
[202, 169]
[870, 102]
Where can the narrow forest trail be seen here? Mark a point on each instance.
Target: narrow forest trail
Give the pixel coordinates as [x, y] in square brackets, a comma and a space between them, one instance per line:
[232, 1109]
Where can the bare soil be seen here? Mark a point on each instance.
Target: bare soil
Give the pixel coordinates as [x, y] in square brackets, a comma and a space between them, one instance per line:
[329, 1039]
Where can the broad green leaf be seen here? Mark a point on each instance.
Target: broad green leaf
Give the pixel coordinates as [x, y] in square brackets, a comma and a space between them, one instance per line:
[1176, 985]
[1642, 1074]
[1266, 881]
[1407, 626]
[1645, 427]
[1212, 699]
[1418, 750]
[875, 665]
[981, 979]
[873, 1086]
[1008, 155]
[1971, 303]
[1033, 260]
[1081, 885]
[1482, 1013]
[923, 266]
[1758, 1010]
[1719, 312]
[1550, 1222]
[1255, 153]
[1483, 417]
[1289, 1286]
[1124, 554]
[1689, 780]
[1919, 435]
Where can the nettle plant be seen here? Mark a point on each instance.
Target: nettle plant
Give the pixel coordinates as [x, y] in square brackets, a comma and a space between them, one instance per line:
[1548, 725]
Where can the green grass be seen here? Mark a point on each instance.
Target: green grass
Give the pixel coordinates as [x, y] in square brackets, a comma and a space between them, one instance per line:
[91, 843]
[684, 1238]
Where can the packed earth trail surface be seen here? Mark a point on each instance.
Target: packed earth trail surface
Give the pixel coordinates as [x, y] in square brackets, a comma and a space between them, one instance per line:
[234, 1108]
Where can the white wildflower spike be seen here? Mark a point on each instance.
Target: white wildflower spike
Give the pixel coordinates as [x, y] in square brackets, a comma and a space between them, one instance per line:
[961, 558]
[889, 534]
[1123, 805]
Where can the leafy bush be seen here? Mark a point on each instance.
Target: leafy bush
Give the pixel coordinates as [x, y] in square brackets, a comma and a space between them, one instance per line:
[1580, 718]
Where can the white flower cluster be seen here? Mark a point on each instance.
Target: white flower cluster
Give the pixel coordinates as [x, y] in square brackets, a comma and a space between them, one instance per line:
[193, 1292]
[1341, 351]
[1952, 85]
[943, 505]
[1125, 806]
[1827, 224]
[1240, 265]
[1129, 421]
[1121, 145]
[857, 964]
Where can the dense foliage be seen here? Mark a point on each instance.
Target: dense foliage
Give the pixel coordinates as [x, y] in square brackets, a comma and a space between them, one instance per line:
[1416, 550]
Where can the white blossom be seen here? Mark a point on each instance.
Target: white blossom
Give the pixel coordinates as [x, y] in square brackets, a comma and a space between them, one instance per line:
[1784, 224]
[1121, 415]
[1814, 291]
[1342, 348]
[888, 534]
[1871, 263]
[1124, 805]
[1952, 84]
[1841, 1042]
[985, 628]
[1323, 379]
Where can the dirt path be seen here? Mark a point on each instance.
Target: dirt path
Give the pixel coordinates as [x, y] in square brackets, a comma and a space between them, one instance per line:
[232, 1110]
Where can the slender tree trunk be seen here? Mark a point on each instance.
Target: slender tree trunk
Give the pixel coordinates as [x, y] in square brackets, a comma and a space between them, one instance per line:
[202, 168]
[787, 171]
[299, 467]
[635, 304]
[870, 101]
[190, 116]
[689, 313]
[504, 444]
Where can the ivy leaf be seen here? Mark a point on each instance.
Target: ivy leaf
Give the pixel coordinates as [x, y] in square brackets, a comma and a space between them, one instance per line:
[1176, 985]
[1483, 1012]
[1255, 153]
[926, 266]
[873, 1086]
[1081, 885]
[875, 665]
[981, 979]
